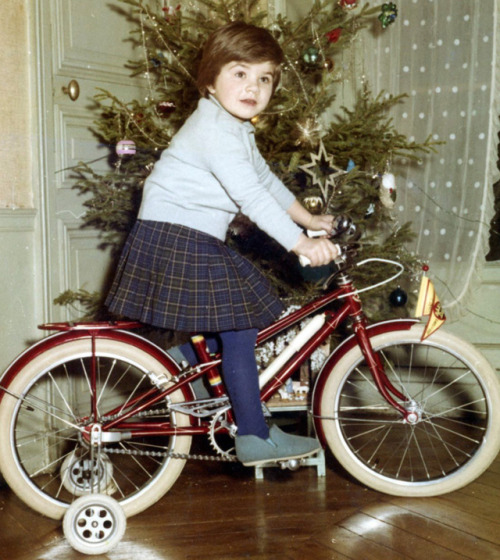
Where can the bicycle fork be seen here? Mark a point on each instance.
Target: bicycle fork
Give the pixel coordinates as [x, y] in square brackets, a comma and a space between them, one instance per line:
[315, 333]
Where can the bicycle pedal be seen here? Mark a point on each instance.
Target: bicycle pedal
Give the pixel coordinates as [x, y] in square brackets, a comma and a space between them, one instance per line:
[291, 464]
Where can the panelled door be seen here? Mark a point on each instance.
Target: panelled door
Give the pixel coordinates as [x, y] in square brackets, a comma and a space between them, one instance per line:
[81, 47]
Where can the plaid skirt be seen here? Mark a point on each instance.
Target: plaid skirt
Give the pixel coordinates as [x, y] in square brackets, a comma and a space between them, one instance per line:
[179, 278]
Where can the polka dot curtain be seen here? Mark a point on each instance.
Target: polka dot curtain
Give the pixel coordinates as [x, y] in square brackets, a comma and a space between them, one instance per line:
[443, 55]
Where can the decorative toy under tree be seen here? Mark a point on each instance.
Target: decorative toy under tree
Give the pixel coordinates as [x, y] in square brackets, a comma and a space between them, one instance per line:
[339, 164]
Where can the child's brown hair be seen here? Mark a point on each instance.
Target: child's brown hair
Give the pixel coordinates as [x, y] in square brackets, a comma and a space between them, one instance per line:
[241, 42]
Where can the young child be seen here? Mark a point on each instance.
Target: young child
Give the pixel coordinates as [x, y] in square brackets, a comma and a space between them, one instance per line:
[175, 271]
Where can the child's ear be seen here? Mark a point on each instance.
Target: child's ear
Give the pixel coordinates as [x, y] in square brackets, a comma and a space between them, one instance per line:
[211, 89]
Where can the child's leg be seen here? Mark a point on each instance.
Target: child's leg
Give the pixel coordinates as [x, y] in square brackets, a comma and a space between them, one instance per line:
[239, 369]
[255, 443]
[241, 378]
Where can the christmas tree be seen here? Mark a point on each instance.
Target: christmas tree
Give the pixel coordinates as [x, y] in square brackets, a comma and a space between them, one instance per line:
[336, 162]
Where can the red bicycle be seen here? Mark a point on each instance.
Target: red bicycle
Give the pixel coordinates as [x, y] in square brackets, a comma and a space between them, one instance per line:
[98, 409]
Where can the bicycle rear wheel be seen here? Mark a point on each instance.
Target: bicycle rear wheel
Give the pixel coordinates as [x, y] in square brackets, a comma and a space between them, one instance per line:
[43, 456]
[454, 393]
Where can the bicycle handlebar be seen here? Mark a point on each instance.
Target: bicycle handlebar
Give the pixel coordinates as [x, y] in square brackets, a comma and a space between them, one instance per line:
[304, 261]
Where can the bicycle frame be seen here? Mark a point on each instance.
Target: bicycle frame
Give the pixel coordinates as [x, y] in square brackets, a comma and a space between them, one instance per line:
[350, 307]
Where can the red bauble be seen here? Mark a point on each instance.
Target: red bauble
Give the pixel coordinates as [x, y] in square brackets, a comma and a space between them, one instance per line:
[348, 4]
[334, 35]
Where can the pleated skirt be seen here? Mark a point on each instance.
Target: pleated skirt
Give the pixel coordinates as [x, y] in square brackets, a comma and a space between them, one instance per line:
[179, 278]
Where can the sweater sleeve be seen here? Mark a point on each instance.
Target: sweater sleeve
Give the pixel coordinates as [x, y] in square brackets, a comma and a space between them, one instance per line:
[252, 186]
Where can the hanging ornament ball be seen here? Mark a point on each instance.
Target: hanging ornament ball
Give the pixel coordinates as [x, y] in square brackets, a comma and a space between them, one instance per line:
[314, 204]
[334, 35]
[165, 108]
[171, 11]
[348, 4]
[398, 297]
[311, 56]
[389, 182]
[126, 148]
[388, 14]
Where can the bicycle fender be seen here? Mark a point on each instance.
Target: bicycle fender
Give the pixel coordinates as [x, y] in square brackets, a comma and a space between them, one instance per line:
[345, 346]
[49, 342]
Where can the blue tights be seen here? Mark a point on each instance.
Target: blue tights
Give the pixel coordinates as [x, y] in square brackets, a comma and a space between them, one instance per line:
[239, 370]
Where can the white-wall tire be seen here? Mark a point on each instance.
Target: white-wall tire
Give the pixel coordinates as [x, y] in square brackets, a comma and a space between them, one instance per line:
[457, 436]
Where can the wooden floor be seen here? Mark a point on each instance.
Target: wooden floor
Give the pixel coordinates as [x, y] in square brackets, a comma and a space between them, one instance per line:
[218, 511]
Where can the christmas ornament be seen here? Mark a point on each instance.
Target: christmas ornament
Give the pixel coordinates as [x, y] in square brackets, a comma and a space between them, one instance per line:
[388, 14]
[348, 4]
[170, 12]
[314, 204]
[165, 108]
[389, 182]
[126, 148]
[387, 190]
[334, 35]
[398, 297]
[322, 170]
[311, 57]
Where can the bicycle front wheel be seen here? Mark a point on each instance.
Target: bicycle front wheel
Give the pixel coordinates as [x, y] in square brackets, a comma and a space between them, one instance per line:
[454, 393]
[44, 457]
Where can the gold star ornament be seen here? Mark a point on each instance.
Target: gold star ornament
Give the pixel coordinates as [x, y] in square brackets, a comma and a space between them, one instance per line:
[323, 171]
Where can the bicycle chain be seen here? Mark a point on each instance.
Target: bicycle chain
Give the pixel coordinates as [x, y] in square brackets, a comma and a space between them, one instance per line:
[168, 454]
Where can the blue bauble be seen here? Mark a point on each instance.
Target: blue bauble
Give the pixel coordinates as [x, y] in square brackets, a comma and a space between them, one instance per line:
[398, 297]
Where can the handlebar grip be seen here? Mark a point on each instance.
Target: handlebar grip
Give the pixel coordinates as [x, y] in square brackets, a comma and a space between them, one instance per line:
[304, 261]
[316, 233]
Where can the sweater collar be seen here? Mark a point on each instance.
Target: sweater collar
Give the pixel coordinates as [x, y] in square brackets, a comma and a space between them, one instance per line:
[247, 124]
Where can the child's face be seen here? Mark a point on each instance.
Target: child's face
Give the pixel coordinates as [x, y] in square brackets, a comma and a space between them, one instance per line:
[244, 88]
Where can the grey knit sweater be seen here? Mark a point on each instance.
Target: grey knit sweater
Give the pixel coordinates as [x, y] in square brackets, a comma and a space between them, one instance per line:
[213, 169]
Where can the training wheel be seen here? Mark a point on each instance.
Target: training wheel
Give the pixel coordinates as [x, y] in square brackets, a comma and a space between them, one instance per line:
[81, 475]
[94, 524]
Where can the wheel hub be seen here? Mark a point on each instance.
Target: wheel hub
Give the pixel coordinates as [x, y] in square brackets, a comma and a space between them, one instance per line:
[414, 412]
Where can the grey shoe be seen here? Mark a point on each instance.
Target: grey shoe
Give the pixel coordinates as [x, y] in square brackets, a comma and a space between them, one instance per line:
[254, 451]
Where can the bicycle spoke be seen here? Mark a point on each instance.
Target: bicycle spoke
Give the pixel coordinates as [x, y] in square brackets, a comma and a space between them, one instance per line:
[49, 420]
[450, 408]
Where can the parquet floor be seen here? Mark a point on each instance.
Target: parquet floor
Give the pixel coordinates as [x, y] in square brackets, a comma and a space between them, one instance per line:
[219, 511]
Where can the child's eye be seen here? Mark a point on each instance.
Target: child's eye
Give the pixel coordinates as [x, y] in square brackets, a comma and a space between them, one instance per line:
[266, 79]
[240, 74]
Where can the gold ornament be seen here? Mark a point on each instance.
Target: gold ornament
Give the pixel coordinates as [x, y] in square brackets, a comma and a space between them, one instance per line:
[323, 171]
[314, 204]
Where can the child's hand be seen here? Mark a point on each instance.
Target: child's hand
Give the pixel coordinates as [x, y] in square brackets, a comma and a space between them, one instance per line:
[317, 251]
[321, 222]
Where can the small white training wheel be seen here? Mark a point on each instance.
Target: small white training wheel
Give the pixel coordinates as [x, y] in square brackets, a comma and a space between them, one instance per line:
[94, 524]
[79, 473]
